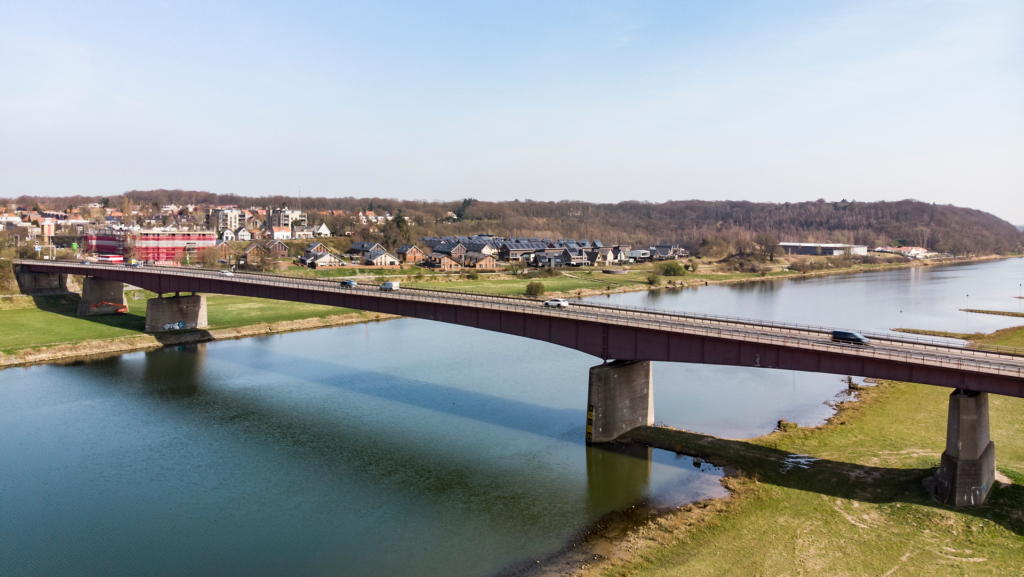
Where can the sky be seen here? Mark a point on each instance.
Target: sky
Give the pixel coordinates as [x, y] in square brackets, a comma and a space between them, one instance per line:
[600, 101]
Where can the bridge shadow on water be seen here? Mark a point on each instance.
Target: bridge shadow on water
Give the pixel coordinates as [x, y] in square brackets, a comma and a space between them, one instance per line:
[836, 479]
[361, 448]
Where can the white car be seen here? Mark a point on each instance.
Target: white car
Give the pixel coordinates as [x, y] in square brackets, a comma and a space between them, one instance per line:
[557, 303]
[227, 273]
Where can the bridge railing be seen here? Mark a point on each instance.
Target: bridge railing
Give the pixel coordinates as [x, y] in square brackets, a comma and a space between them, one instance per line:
[817, 329]
[652, 318]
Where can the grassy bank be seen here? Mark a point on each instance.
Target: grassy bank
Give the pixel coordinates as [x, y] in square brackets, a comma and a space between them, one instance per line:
[1011, 337]
[859, 509]
[32, 322]
[999, 313]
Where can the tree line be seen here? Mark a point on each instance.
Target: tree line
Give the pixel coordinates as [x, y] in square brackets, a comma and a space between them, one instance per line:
[710, 227]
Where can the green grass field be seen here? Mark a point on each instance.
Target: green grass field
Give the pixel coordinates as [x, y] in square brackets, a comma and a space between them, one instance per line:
[580, 279]
[341, 272]
[512, 286]
[859, 510]
[51, 320]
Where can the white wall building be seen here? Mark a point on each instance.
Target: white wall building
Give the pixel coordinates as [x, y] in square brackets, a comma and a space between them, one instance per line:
[822, 248]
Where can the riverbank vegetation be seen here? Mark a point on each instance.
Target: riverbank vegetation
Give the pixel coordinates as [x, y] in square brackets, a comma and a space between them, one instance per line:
[846, 498]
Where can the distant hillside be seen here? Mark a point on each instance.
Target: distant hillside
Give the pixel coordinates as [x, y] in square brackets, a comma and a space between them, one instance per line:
[717, 226]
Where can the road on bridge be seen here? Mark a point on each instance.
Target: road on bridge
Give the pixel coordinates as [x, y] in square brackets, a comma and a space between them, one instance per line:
[762, 340]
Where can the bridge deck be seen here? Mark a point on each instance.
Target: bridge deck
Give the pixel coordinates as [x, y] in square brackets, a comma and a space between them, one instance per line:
[613, 332]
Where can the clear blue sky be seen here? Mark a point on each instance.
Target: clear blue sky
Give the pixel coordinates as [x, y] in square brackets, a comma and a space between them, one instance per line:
[606, 101]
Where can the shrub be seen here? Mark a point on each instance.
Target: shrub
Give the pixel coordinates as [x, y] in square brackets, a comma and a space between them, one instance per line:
[693, 265]
[473, 275]
[805, 267]
[535, 289]
[653, 278]
[750, 266]
[670, 268]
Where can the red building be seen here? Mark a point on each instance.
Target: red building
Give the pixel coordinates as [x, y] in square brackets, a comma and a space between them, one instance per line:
[151, 246]
[166, 247]
[104, 242]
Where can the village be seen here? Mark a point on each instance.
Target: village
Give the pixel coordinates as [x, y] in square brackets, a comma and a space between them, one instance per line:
[267, 239]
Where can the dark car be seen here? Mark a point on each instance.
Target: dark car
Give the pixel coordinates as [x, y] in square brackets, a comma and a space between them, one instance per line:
[850, 337]
[348, 283]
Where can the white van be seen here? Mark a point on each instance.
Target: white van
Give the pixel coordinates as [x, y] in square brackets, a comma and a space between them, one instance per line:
[389, 286]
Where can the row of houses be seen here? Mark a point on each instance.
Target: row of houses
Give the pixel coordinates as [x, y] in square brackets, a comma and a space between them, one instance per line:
[444, 257]
[561, 252]
[317, 255]
[276, 233]
[251, 253]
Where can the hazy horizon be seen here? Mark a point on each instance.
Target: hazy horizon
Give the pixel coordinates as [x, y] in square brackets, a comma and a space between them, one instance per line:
[551, 101]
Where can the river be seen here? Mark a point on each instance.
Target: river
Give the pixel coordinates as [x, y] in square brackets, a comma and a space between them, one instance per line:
[395, 448]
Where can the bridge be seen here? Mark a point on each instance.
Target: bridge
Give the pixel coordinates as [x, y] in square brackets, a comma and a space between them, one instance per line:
[620, 391]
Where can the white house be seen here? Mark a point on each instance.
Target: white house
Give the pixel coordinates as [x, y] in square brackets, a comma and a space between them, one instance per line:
[909, 251]
[322, 230]
[227, 235]
[242, 234]
[378, 258]
[281, 233]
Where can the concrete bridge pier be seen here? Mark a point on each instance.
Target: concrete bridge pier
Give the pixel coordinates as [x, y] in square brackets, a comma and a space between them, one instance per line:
[96, 293]
[620, 398]
[968, 466]
[176, 313]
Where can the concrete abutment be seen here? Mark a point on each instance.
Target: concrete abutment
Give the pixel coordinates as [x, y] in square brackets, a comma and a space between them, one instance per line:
[101, 297]
[968, 466]
[176, 313]
[620, 398]
[40, 283]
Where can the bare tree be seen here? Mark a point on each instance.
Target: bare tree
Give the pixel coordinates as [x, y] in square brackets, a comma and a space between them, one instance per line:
[767, 244]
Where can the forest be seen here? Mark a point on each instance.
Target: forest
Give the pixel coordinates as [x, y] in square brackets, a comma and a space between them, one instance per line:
[715, 228]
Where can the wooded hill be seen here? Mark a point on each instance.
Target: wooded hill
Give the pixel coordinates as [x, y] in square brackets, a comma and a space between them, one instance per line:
[717, 226]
